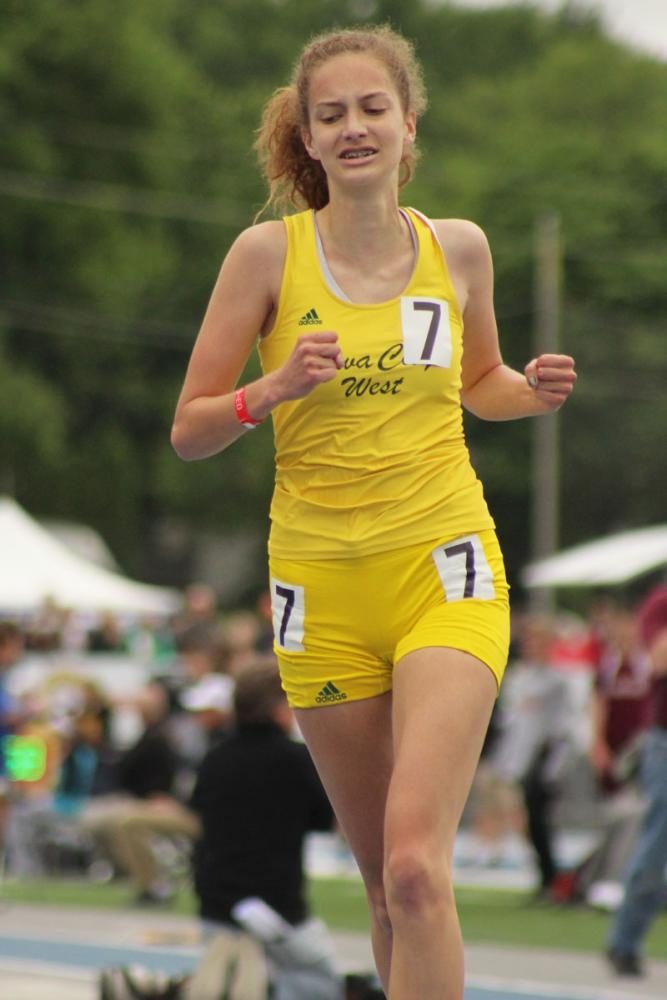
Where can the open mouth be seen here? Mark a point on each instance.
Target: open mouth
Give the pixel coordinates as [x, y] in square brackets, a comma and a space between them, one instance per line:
[358, 154]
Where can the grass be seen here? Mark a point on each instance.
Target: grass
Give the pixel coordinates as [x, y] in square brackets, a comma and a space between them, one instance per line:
[490, 916]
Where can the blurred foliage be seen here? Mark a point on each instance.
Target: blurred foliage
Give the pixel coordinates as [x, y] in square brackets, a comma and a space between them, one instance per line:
[126, 170]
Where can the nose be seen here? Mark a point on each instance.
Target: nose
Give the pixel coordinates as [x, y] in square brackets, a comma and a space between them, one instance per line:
[355, 127]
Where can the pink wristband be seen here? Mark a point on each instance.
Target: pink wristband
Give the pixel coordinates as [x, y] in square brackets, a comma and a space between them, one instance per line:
[241, 409]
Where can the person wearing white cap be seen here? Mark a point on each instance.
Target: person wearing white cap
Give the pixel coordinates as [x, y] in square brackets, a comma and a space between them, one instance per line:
[257, 795]
[211, 698]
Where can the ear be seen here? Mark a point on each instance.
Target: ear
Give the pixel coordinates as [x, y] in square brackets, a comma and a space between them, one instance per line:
[410, 126]
[307, 140]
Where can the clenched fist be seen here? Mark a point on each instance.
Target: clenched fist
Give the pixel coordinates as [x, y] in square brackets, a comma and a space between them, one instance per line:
[316, 358]
[552, 377]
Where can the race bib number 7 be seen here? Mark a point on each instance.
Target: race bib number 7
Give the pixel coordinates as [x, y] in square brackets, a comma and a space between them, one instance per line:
[288, 609]
[427, 335]
[463, 569]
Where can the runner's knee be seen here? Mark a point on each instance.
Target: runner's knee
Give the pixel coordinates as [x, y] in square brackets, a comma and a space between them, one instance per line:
[415, 883]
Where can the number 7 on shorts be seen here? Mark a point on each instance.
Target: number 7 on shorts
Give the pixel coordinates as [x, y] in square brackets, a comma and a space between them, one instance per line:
[463, 569]
[288, 610]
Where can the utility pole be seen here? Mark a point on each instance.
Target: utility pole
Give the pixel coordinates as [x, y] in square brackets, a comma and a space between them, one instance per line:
[545, 457]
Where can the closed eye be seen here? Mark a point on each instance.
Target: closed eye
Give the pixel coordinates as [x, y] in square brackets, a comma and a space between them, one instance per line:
[329, 119]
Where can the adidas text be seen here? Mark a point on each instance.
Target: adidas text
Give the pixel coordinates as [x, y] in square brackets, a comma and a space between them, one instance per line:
[330, 693]
[310, 319]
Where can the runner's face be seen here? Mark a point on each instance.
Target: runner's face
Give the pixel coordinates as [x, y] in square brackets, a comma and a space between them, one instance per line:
[357, 127]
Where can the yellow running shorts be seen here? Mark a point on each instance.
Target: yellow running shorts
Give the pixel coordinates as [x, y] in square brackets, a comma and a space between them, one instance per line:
[340, 625]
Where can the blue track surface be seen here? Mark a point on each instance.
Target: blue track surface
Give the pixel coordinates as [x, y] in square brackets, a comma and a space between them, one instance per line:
[173, 961]
[95, 956]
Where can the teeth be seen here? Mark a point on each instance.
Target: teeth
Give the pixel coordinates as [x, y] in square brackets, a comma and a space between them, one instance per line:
[357, 154]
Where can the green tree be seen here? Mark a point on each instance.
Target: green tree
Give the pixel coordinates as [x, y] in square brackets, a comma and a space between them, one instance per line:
[127, 171]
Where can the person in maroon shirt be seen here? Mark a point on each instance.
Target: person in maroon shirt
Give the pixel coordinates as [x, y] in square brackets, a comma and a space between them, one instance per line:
[622, 699]
[621, 709]
[646, 884]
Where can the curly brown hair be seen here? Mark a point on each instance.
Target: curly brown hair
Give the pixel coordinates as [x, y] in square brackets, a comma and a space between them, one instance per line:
[293, 177]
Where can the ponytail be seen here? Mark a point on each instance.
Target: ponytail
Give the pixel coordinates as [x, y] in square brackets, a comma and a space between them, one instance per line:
[293, 177]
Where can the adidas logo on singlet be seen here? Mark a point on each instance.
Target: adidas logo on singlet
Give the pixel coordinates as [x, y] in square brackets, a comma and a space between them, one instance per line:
[330, 693]
[310, 319]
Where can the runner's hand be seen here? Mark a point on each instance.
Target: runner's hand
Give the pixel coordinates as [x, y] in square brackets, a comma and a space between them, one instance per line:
[316, 358]
[552, 377]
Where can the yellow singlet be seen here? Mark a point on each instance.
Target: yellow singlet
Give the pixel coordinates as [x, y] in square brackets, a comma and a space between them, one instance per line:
[375, 459]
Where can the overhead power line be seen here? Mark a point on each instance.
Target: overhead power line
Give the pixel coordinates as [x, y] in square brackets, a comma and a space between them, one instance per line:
[641, 383]
[119, 198]
[94, 134]
[67, 322]
[134, 200]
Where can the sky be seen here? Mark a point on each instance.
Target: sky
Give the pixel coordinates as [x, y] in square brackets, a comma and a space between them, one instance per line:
[640, 23]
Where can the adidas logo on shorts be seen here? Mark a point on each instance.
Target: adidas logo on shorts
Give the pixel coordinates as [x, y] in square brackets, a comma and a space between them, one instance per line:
[330, 694]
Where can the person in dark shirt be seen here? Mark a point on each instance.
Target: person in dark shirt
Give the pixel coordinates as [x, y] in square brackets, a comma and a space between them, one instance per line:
[645, 883]
[257, 795]
[149, 766]
[143, 806]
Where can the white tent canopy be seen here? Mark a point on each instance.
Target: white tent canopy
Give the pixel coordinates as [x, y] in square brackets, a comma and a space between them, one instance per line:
[36, 566]
[610, 560]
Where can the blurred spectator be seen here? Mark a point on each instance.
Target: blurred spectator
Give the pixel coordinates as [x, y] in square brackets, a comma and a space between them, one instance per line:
[73, 630]
[12, 645]
[497, 817]
[264, 638]
[150, 641]
[44, 633]
[621, 700]
[494, 810]
[79, 764]
[200, 609]
[534, 745]
[210, 701]
[646, 879]
[202, 653]
[89, 765]
[241, 632]
[621, 712]
[601, 616]
[53, 627]
[143, 806]
[64, 695]
[201, 650]
[258, 795]
[106, 636]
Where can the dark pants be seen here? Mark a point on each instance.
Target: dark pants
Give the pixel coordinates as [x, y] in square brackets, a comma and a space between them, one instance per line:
[538, 796]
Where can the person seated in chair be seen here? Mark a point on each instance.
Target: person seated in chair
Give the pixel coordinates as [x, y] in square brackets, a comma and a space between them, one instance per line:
[144, 806]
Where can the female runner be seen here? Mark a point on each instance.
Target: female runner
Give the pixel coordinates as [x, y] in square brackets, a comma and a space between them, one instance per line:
[390, 604]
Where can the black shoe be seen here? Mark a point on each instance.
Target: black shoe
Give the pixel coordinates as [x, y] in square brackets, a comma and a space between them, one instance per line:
[624, 963]
[540, 897]
[148, 898]
[123, 983]
[363, 987]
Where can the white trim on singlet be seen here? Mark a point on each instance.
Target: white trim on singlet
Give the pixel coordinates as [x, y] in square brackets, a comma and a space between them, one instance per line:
[430, 224]
[324, 263]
